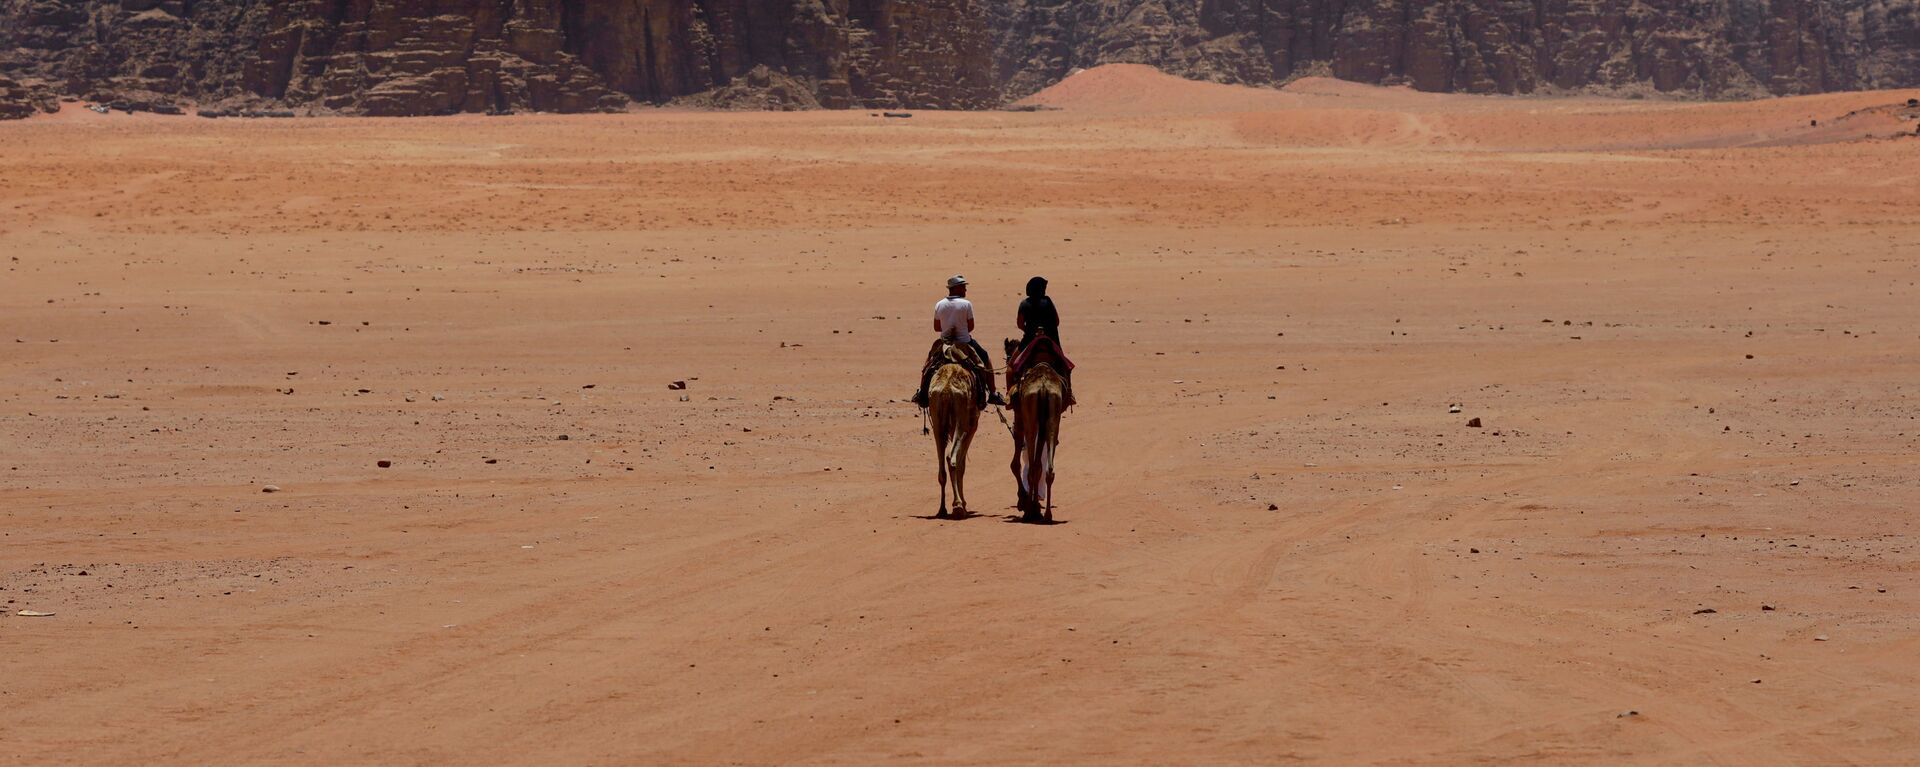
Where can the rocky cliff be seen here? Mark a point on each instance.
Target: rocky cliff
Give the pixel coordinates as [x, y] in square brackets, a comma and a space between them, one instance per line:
[412, 57]
[1713, 48]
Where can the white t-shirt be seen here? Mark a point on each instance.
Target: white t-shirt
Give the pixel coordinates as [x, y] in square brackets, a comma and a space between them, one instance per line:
[954, 314]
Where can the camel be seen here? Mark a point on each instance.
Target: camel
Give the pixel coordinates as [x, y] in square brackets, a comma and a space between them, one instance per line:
[950, 405]
[1039, 398]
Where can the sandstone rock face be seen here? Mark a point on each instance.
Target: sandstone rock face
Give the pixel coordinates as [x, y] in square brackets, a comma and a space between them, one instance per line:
[16, 100]
[414, 57]
[143, 52]
[417, 57]
[1714, 48]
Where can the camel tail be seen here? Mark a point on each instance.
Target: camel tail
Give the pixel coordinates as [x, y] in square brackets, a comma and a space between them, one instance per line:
[1042, 419]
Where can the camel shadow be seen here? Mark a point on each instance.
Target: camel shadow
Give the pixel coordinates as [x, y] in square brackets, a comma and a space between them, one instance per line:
[952, 516]
[1021, 519]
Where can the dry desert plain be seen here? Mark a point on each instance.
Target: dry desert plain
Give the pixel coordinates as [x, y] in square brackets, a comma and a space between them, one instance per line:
[1683, 534]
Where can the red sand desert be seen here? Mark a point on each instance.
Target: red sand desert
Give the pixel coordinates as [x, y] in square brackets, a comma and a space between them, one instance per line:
[1683, 534]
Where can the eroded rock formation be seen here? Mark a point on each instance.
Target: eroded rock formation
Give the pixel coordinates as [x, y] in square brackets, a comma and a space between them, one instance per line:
[414, 57]
[1714, 48]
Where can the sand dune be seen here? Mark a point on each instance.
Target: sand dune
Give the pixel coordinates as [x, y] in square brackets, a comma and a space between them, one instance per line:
[1322, 112]
[1682, 532]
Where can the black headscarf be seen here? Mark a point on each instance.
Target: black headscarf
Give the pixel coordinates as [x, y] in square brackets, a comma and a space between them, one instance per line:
[1037, 287]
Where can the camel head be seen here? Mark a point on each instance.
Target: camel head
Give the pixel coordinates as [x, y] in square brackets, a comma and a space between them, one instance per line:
[1013, 347]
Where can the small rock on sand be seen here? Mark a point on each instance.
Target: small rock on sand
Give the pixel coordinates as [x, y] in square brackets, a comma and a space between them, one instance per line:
[33, 614]
[270, 489]
[1473, 423]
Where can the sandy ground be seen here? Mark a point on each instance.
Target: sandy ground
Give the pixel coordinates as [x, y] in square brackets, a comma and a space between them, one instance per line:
[1691, 333]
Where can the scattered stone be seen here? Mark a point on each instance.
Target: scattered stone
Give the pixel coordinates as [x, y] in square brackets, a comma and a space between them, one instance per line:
[384, 464]
[1626, 713]
[1273, 507]
[677, 385]
[1473, 423]
[563, 438]
[439, 397]
[1453, 408]
[1705, 611]
[270, 489]
[1820, 638]
[1766, 608]
[1756, 680]
[33, 614]
[1473, 551]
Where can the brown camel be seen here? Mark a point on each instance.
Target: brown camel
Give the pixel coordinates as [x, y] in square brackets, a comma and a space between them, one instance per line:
[1039, 398]
[950, 405]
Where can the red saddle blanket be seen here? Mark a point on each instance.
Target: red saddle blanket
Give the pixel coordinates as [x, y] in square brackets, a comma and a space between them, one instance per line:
[1043, 349]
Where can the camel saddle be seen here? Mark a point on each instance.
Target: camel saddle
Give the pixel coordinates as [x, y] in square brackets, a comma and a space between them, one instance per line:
[1042, 349]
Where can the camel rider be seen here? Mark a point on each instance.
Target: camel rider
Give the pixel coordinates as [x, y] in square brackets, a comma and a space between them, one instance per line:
[953, 320]
[1037, 316]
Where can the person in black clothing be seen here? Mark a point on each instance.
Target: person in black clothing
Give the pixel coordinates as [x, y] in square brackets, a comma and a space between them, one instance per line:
[1037, 315]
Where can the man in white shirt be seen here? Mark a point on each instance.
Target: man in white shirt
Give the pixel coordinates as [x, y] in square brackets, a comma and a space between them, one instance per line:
[953, 320]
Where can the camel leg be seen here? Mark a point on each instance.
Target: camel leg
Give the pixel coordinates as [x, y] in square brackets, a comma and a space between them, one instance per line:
[940, 457]
[959, 472]
[1049, 463]
[1019, 482]
[1033, 481]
